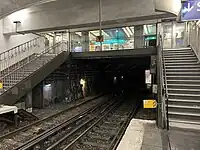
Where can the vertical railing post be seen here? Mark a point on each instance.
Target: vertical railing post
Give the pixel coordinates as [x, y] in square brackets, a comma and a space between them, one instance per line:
[159, 84]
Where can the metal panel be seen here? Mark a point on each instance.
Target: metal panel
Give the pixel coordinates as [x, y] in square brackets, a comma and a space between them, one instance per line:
[115, 54]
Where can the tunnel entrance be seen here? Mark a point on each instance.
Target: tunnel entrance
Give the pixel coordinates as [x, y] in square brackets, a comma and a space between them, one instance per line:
[118, 76]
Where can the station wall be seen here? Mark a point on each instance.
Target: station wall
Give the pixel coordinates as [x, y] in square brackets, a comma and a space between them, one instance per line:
[84, 13]
[10, 41]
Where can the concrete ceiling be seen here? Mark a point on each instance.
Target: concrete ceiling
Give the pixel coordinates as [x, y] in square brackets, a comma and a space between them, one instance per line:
[9, 6]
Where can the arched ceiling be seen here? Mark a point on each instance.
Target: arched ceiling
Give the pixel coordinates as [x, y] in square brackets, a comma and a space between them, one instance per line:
[9, 6]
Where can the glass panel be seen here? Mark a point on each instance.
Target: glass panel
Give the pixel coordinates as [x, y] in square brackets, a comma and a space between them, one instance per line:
[167, 35]
[180, 27]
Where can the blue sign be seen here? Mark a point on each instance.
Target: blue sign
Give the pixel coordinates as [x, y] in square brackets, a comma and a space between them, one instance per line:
[191, 10]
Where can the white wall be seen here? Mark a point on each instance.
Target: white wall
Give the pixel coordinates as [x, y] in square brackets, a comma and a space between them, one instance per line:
[81, 13]
[10, 41]
[172, 6]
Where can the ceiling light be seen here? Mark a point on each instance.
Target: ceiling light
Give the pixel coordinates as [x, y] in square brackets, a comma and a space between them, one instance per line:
[129, 30]
[126, 32]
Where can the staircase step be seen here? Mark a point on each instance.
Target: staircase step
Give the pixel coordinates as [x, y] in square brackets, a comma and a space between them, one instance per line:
[184, 91]
[184, 121]
[178, 55]
[177, 49]
[183, 125]
[178, 61]
[178, 81]
[184, 96]
[184, 102]
[180, 77]
[175, 67]
[185, 109]
[174, 64]
[184, 86]
[180, 58]
[183, 69]
[169, 74]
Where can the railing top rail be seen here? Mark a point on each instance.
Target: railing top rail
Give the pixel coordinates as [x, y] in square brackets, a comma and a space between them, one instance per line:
[19, 45]
[42, 53]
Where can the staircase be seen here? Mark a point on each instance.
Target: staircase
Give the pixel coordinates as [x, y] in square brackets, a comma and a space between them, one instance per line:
[183, 85]
[21, 77]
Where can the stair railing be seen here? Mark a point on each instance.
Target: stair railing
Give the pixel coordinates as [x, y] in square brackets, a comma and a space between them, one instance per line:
[163, 95]
[194, 37]
[14, 57]
[19, 72]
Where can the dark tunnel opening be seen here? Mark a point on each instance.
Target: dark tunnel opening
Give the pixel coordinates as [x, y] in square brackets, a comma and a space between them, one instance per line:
[116, 75]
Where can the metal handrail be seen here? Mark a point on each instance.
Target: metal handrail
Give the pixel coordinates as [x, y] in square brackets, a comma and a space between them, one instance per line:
[164, 82]
[42, 53]
[13, 56]
[26, 64]
[35, 39]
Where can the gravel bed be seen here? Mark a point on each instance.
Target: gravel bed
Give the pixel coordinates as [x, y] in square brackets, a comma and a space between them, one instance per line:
[22, 137]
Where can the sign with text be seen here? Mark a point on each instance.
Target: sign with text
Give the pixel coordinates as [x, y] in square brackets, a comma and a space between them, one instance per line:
[190, 10]
[149, 103]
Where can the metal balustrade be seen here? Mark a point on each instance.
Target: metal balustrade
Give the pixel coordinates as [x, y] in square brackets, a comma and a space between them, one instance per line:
[162, 83]
[194, 37]
[10, 59]
[30, 65]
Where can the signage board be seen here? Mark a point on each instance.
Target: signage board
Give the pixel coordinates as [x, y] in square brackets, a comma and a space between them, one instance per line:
[155, 88]
[99, 39]
[190, 10]
[149, 103]
[1, 85]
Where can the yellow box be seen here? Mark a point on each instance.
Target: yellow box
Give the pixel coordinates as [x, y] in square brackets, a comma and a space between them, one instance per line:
[149, 103]
[1, 85]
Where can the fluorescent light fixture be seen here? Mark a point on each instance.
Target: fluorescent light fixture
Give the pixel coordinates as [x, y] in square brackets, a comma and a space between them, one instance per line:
[48, 85]
[79, 33]
[126, 32]
[129, 30]
[132, 29]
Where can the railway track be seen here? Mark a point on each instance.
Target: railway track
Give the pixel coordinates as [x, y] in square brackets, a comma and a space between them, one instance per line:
[100, 128]
[68, 128]
[105, 133]
[21, 135]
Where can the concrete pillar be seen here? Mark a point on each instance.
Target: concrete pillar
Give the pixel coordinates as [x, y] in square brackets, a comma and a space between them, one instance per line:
[28, 102]
[37, 95]
[85, 41]
[138, 36]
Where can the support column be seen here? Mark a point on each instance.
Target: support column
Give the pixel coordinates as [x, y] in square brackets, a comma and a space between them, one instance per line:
[138, 36]
[37, 95]
[60, 91]
[85, 41]
[28, 102]
[173, 34]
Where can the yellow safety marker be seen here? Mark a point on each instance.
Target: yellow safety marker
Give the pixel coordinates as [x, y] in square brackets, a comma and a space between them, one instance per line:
[149, 103]
[1, 85]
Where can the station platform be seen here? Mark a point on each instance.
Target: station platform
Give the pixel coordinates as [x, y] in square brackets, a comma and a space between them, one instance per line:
[6, 109]
[144, 135]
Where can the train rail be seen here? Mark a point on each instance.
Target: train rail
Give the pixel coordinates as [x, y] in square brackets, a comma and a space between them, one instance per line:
[105, 133]
[67, 128]
[21, 135]
[99, 128]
